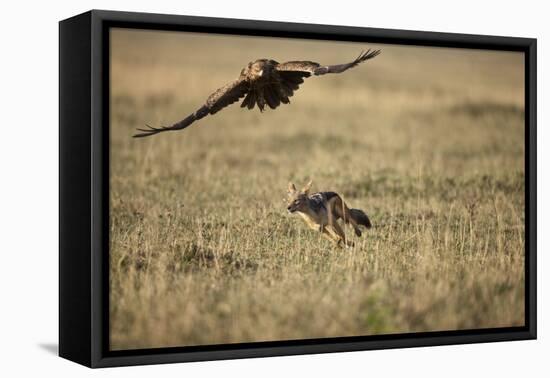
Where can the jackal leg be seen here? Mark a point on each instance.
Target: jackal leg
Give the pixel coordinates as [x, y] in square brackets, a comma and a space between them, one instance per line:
[350, 220]
[340, 234]
[335, 236]
[343, 212]
[330, 235]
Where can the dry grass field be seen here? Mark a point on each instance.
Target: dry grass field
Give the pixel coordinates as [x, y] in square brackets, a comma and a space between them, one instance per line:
[428, 141]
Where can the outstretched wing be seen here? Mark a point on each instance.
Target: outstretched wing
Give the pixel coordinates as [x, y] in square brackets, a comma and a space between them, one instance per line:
[307, 68]
[224, 96]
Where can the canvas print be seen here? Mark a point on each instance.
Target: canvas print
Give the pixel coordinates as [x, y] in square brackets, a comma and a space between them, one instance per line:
[267, 189]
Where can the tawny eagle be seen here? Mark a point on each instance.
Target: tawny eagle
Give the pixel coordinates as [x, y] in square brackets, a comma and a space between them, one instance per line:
[261, 82]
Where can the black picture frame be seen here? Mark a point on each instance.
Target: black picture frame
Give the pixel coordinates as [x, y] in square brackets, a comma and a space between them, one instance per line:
[84, 191]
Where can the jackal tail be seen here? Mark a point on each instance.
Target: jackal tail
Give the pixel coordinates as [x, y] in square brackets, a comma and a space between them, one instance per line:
[360, 217]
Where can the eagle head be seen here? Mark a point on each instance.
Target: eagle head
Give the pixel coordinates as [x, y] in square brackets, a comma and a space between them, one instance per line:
[256, 70]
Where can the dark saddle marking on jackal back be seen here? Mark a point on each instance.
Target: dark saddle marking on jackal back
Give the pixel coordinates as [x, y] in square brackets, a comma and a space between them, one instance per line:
[317, 200]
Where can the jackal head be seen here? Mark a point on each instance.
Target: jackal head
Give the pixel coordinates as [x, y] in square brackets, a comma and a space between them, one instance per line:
[298, 199]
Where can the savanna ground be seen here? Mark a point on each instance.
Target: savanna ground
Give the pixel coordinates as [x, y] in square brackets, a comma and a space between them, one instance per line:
[429, 142]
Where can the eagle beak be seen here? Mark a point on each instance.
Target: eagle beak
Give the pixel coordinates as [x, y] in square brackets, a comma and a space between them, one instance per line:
[261, 73]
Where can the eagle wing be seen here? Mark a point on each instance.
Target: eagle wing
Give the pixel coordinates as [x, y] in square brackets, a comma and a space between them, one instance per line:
[307, 68]
[222, 97]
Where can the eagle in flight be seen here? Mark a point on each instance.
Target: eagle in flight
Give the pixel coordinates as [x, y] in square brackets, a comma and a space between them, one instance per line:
[262, 82]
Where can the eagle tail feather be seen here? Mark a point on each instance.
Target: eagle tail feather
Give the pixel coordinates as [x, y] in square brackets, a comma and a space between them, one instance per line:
[249, 101]
[271, 97]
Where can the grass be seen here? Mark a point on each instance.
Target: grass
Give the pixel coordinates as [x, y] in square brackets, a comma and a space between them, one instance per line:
[429, 142]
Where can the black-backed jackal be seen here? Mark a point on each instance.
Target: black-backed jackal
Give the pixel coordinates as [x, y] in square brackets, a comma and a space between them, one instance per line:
[322, 210]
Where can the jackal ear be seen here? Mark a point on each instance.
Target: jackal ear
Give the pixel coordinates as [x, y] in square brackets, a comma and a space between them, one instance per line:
[291, 188]
[306, 188]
